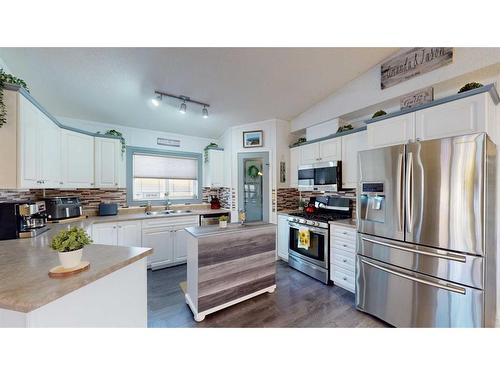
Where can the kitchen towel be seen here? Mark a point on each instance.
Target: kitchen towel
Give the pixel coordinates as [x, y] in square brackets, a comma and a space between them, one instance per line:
[304, 239]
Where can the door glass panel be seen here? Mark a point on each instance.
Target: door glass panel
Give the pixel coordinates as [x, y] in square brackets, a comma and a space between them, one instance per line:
[253, 189]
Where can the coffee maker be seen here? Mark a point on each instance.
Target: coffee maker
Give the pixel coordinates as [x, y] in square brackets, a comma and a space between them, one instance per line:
[22, 219]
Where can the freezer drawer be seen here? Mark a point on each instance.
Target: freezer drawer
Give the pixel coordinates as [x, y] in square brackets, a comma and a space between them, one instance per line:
[409, 299]
[448, 265]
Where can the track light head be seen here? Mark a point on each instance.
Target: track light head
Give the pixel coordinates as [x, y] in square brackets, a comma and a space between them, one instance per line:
[183, 108]
[156, 101]
[205, 112]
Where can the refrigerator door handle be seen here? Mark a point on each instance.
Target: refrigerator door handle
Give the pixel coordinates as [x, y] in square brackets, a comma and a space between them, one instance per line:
[446, 255]
[449, 287]
[399, 192]
[409, 191]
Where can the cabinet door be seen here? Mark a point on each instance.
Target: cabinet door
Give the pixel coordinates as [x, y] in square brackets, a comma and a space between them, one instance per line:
[129, 233]
[78, 159]
[330, 150]
[283, 233]
[464, 116]
[107, 154]
[180, 245]
[160, 240]
[217, 168]
[294, 166]
[392, 131]
[29, 163]
[105, 234]
[309, 153]
[351, 145]
[50, 138]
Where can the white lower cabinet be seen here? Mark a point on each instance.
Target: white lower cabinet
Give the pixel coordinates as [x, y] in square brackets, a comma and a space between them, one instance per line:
[160, 239]
[282, 240]
[129, 233]
[122, 233]
[180, 245]
[342, 256]
[105, 234]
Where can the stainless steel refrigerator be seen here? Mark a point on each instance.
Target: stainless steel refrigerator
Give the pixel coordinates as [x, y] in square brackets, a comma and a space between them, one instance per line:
[427, 234]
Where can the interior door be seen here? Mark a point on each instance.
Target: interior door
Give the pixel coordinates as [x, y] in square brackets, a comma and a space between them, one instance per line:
[380, 200]
[445, 193]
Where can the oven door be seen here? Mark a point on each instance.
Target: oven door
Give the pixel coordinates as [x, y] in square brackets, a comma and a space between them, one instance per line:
[317, 252]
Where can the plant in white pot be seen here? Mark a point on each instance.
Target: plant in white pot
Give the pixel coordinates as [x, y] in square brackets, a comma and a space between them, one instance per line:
[69, 244]
[223, 221]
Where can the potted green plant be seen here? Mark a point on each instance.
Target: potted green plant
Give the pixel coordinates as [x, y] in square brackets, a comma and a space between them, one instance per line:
[69, 244]
[223, 221]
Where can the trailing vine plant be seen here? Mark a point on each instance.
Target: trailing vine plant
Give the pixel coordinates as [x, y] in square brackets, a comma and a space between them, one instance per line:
[7, 78]
[116, 133]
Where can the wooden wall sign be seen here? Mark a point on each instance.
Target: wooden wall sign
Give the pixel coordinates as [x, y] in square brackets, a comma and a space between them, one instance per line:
[416, 98]
[413, 63]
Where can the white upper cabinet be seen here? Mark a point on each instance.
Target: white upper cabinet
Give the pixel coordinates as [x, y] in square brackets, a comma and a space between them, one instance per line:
[77, 159]
[330, 150]
[294, 166]
[351, 145]
[464, 116]
[40, 148]
[472, 114]
[109, 163]
[309, 154]
[392, 131]
[213, 171]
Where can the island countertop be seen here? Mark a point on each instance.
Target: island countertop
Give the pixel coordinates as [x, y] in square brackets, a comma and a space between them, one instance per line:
[25, 263]
[210, 230]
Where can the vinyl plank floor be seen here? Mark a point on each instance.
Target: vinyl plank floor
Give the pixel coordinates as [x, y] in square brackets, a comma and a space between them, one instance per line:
[299, 301]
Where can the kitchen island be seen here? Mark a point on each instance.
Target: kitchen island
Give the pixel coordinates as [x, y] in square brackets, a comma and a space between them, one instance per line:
[112, 293]
[226, 266]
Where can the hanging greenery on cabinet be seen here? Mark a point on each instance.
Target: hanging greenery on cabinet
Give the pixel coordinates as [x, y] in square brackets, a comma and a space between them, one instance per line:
[7, 78]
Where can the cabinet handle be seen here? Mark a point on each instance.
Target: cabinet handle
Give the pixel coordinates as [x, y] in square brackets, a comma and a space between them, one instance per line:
[116, 183]
[60, 183]
[344, 278]
[114, 226]
[344, 245]
[344, 260]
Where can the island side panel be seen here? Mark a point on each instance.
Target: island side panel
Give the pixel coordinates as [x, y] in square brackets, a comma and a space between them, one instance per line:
[192, 273]
[116, 300]
[234, 265]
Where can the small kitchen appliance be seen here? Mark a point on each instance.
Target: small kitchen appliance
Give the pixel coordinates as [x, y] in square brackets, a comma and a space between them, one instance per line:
[108, 209]
[324, 176]
[214, 202]
[22, 219]
[63, 207]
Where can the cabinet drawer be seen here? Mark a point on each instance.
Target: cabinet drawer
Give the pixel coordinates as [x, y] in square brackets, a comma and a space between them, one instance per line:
[183, 221]
[346, 262]
[338, 244]
[345, 233]
[344, 279]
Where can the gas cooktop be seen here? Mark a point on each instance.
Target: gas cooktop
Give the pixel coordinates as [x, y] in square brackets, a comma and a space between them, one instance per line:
[322, 216]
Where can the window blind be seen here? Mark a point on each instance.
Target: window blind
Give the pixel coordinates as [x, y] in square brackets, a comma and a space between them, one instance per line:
[167, 167]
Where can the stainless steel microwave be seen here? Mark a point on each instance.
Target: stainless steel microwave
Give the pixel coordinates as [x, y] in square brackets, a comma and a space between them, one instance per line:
[326, 176]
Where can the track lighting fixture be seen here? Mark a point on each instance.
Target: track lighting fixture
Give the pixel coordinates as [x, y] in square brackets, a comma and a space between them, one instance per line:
[183, 107]
[156, 101]
[185, 99]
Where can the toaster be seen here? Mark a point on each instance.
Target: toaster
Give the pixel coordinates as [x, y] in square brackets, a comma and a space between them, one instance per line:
[108, 209]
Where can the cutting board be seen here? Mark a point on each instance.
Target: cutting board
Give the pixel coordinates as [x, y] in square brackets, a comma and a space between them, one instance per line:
[60, 272]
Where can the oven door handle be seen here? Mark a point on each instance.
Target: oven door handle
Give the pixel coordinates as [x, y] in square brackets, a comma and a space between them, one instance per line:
[310, 229]
[448, 287]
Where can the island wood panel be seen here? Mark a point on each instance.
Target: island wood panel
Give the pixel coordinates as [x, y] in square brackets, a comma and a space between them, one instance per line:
[235, 265]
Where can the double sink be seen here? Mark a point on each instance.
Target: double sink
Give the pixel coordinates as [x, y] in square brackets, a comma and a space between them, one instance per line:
[167, 212]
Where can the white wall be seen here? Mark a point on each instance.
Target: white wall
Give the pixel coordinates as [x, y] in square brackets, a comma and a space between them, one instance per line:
[276, 135]
[4, 66]
[141, 137]
[365, 91]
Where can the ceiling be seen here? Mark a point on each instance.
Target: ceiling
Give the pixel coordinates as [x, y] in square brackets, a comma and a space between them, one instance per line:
[242, 85]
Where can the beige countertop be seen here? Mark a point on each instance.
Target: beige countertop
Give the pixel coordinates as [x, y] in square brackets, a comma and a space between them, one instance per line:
[231, 228]
[25, 263]
[345, 222]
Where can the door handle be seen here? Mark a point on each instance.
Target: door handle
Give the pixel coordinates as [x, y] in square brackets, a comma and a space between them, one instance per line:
[448, 287]
[399, 192]
[448, 256]
[409, 192]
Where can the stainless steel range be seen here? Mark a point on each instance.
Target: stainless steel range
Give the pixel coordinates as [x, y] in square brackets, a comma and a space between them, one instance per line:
[313, 260]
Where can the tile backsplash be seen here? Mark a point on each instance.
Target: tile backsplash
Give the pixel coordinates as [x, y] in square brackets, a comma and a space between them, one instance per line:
[288, 198]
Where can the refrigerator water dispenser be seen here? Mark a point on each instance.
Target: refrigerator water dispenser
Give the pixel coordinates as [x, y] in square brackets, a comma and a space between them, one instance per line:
[372, 202]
